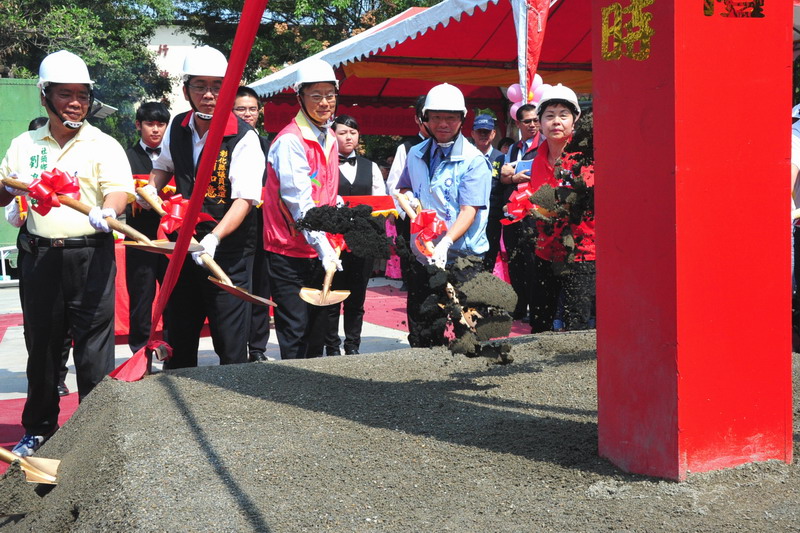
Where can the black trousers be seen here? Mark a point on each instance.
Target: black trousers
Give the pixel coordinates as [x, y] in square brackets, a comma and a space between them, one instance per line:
[142, 271]
[194, 298]
[293, 316]
[521, 264]
[578, 284]
[66, 289]
[259, 314]
[354, 277]
[67, 346]
[403, 228]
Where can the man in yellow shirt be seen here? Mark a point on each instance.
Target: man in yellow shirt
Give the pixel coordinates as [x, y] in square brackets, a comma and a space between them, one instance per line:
[66, 260]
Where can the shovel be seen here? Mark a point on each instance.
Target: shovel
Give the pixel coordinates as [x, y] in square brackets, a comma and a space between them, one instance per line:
[36, 469]
[68, 201]
[220, 279]
[325, 296]
[450, 291]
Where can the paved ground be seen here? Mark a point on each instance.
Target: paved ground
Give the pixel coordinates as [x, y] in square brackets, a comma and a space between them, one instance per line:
[13, 357]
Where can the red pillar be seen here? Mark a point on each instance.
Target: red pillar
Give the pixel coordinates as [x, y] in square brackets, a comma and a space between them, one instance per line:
[692, 140]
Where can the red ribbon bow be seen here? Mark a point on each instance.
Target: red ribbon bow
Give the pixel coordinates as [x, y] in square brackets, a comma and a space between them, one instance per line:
[176, 207]
[337, 241]
[519, 206]
[427, 226]
[45, 189]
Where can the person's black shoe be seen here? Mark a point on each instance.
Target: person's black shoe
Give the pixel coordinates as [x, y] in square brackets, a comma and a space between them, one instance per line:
[256, 357]
[404, 287]
[351, 351]
[332, 351]
[63, 390]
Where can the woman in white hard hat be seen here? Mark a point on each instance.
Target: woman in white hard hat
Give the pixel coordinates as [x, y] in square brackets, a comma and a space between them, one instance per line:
[302, 173]
[448, 174]
[565, 250]
[234, 189]
[66, 260]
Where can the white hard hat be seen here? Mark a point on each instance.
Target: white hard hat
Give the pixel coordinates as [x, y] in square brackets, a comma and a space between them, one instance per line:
[445, 97]
[63, 67]
[314, 71]
[560, 93]
[204, 61]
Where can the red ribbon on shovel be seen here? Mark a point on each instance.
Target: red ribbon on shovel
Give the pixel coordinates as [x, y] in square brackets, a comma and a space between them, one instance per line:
[45, 189]
[427, 226]
[176, 207]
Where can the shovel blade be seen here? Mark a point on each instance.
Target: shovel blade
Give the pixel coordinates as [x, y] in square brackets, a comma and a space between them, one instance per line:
[161, 247]
[316, 297]
[241, 293]
[44, 470]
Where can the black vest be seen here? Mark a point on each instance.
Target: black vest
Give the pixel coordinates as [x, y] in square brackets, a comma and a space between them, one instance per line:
[218, 195]
[362, 185]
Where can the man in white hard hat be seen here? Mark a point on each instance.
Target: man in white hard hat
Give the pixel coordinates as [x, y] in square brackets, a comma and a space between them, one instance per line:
[67, 263]
[234, 189]
[449, 175]
[302, 172]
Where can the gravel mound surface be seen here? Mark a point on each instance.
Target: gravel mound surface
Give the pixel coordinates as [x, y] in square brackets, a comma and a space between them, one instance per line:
[412, 440]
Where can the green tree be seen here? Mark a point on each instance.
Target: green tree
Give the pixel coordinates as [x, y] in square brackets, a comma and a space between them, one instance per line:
[291, 30]
[110, 36]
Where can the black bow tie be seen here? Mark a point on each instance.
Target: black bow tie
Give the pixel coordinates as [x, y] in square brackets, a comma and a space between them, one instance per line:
[150, 150]
[344, 159]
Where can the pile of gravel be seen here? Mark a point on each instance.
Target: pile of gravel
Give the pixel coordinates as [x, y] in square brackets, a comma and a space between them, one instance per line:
[412, 440]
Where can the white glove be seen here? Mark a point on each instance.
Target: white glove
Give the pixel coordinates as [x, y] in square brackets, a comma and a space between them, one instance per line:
[339, 201]
[152, 191]
[328, 256]
[413, 203]
[12, 215]
[12, 191]
[439, 257]
[98, 215]
[209, 244]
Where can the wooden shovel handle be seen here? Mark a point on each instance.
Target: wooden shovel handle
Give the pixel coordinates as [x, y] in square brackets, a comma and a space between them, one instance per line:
[208, 261]
[68, 201]
[402, 199]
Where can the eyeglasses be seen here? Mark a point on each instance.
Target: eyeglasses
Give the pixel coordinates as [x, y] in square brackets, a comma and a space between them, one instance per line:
[529, 120]
[244, 110]
[203, 89]
[317, 98]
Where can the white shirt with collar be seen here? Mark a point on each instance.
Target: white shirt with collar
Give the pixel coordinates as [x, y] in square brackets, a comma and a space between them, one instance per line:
[247, 162]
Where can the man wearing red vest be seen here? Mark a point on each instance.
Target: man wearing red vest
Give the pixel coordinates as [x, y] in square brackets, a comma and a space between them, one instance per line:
[302, 173]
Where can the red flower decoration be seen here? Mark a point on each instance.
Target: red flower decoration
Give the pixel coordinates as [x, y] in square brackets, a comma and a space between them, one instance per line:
[176, 208]
[427, 226]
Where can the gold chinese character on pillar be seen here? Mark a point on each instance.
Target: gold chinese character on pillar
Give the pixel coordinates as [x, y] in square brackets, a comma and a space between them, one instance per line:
[735, 8]
[627, 31]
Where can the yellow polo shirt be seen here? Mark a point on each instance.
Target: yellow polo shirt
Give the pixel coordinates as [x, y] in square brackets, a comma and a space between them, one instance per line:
[98, 160]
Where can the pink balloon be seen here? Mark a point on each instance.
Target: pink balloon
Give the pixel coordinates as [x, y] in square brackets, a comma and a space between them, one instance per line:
[537, 81]
[537, 94]
[514, 93]
[513, 110]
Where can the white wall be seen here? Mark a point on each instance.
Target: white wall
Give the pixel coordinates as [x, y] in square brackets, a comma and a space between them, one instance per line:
[170, 46]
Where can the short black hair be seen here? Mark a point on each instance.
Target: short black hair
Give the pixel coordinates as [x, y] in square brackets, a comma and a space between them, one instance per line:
[244, 90]
[152, 112]
[566, 103]
[419, 105]
[524, 109]
[37, 123]
[505, 141]
[345, 120]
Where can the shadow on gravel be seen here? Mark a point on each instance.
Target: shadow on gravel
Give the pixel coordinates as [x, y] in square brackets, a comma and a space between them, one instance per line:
[248, 506]
[443, 410]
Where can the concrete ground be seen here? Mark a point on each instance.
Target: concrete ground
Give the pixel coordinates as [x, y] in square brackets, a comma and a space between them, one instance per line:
[13, 357]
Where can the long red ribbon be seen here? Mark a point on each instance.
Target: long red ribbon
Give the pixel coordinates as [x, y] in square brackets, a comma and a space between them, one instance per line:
[45, 189]
[249, 23]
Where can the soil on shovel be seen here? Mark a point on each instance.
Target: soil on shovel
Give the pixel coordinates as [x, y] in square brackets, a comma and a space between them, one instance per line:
[410, 440]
